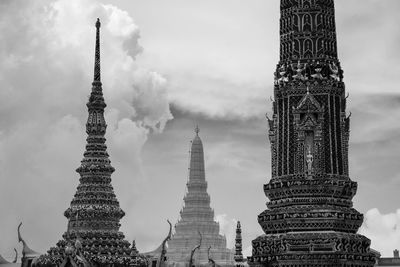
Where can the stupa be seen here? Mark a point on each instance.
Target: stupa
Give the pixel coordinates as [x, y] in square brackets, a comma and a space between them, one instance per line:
[310, 220]
[93, 237]
[197, 227]
[238, 246]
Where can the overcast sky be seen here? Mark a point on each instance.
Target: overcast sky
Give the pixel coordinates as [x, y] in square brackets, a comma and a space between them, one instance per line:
[166, 66]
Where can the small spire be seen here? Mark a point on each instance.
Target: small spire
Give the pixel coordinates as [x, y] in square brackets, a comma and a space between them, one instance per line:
[308, 90]
[197, 130]
[97, 53]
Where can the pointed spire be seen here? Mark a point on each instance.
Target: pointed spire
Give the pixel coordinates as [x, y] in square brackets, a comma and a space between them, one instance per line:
[197, 215]
[96, 124]
[96, 77]
[238, 245]
[197, 158]
[94, 213]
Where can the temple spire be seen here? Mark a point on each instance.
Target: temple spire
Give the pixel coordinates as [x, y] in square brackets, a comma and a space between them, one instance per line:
[94, 213]
[96, 77]
[197, 158]
[310, 219]
[197, 219]
[197, 130]
[238, 246]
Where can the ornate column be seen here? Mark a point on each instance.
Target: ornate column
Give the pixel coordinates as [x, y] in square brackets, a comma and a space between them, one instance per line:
[310, 220]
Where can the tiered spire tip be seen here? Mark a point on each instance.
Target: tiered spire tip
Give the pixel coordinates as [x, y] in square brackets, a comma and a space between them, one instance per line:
[97, 77]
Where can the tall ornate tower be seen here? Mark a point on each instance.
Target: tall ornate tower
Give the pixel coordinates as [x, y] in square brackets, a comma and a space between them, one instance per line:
[197, 219]
[93, 237]
[310, 220]
[238, 246]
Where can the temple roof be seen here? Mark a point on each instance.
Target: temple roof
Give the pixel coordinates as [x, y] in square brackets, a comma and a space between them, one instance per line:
[5, 263]
[3, 260]
[308, 103]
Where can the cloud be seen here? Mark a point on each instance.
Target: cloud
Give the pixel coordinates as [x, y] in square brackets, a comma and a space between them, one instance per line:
[248, 251]
[46, 69]
[227, 227]
[378, 70]
[371, 121]
[383, 230]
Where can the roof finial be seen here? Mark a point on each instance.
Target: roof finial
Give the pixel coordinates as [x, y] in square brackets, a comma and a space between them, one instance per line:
[26, 251]
[97, 53]
[308, 90]
[197, 130]
[16, 256]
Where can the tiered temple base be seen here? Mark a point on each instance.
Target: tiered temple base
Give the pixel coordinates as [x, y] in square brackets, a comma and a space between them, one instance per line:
[310, 223]
[312, 250]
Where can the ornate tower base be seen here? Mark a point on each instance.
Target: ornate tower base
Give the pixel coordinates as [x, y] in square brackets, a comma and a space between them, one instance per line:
[312, 250]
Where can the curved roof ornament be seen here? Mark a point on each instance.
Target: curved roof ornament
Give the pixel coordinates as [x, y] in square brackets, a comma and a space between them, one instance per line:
[163, 245]
[16, 256]
[210, 260]
[194, 249]
[27, 252]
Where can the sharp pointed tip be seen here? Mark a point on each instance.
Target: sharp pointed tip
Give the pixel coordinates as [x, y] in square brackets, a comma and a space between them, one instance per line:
[197, 130]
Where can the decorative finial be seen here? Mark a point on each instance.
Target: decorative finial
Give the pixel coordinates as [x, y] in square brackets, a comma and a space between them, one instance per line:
[98, 24]
[97, 53]
[16, 256]
[197, 130]
[26, 251]
[308, 90]
[19, 233]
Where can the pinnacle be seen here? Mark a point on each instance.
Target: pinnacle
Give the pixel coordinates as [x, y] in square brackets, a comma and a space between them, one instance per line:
[94, 213]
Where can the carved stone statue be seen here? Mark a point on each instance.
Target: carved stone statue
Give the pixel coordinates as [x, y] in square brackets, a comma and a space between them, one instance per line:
[299, 71]
[334, 71]
[283, 74]
[309, 160]
[318, 69]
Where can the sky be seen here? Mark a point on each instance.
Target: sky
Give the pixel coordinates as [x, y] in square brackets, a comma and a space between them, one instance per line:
[167, 66]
